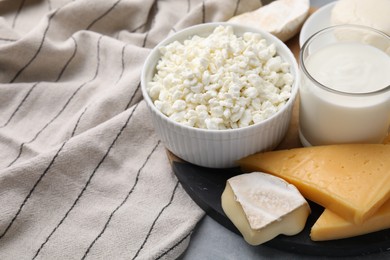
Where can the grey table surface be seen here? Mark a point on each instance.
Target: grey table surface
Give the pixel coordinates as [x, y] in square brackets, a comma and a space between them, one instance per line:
[211, 240]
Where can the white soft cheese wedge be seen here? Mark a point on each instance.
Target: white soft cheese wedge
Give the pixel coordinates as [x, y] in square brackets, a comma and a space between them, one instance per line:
[282, 18]
[263, 206]
[373, 13]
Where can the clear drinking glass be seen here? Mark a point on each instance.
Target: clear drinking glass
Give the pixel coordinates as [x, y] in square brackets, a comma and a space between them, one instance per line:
[345, 86]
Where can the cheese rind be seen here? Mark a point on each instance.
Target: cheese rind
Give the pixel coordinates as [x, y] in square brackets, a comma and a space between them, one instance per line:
[263, 206]
[330, 226]
[352, 180]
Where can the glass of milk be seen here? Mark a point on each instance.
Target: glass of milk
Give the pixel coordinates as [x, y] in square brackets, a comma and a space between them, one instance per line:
[345, 86]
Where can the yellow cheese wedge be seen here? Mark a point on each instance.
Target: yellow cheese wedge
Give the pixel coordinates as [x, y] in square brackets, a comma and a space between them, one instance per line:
[263, 206]
[352, 180]
[331, 226]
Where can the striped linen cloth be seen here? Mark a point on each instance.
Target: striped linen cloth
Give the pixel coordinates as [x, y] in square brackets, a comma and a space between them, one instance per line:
[82, 174]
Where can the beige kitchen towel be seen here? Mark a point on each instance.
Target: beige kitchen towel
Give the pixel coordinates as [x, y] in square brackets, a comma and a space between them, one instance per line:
[82, 174]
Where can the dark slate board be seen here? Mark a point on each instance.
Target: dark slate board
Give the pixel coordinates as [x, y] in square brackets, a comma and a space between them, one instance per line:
[205, 186]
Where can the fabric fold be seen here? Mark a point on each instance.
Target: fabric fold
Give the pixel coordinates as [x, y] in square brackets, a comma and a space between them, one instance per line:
[82, 173]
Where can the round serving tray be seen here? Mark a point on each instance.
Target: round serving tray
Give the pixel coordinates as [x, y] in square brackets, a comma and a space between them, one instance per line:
[205, 187]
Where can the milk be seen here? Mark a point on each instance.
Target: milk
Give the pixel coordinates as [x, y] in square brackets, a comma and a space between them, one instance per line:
[328, 117]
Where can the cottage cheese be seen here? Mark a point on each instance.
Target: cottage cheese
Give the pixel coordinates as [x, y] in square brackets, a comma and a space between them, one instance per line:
[222, 81]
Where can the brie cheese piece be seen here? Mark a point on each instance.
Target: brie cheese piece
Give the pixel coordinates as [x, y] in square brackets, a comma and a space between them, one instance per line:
[282, 18]
[263, 206]
[374, 13]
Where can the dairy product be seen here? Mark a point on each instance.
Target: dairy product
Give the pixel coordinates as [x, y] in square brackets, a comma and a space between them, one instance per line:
[331, 226]
[282, 18]
[221, 81]
[263, 206]
[350, 67]
[352, 180]
[373, 13]
[327, 117]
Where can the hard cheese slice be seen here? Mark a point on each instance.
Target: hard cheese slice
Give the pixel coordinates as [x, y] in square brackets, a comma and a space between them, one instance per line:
[331, 226]
[263, 206]
[352, 180]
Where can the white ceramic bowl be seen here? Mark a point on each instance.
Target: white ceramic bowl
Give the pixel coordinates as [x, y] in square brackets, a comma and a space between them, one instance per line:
[219, 148]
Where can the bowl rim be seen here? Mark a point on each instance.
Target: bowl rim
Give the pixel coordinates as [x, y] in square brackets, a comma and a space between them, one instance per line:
[188, 32]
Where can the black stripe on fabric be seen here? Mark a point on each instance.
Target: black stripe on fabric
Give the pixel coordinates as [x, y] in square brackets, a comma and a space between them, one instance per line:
[188, 10]
[8, 40]
[133, 96]
[42, 129]
[152, 12]
[203, 12]
[70, 59]
[31, 89]
[123, 201]
[78, 121]
[18, 12]
[138, 27]
[20, 104]
[122, 63]
[32, 190]
[87, 182]
[236, 9]
[104, 14]
[145, 39]
[63, 108]
[155, 220]
[188, 6]
[49, 5]
[175, 245]
[119, 78]
[38, 51]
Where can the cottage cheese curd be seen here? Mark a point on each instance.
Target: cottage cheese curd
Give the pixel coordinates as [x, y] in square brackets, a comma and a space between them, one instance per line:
[222, 81]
